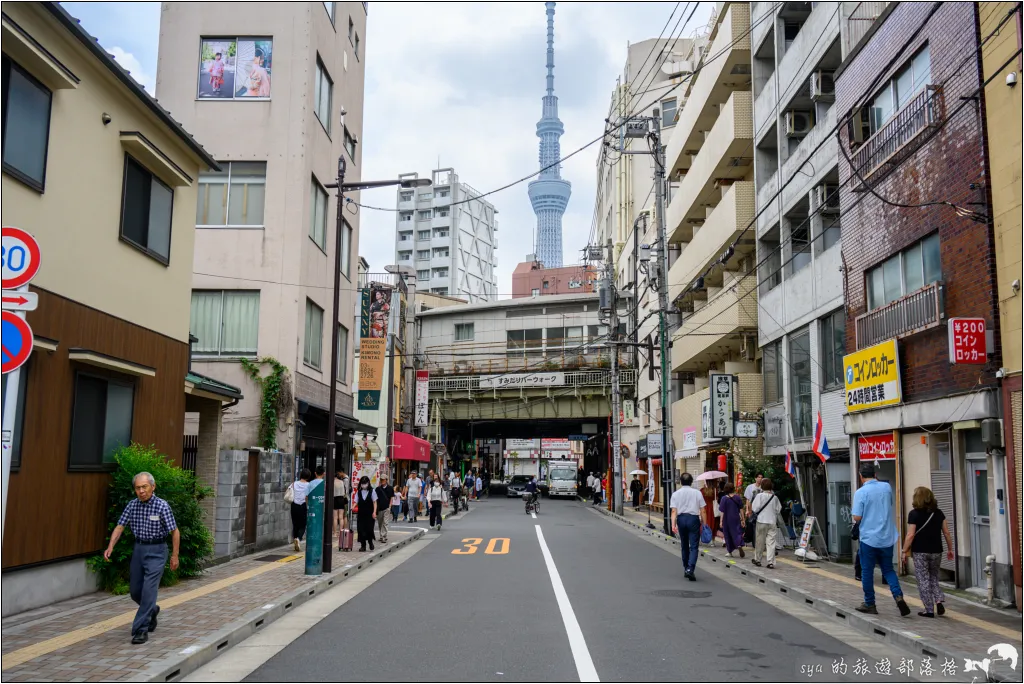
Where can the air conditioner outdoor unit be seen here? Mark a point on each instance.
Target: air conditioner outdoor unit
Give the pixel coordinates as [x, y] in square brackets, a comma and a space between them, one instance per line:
[823, 86]
[826, 199]
[798, 124]
[859, 126]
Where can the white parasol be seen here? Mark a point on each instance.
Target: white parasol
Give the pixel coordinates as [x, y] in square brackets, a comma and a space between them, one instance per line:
[711, 475]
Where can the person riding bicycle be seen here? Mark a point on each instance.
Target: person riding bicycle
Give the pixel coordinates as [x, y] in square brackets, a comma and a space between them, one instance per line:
[531, 489]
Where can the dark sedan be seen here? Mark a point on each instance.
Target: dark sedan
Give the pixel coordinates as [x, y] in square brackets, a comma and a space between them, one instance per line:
[517, 485]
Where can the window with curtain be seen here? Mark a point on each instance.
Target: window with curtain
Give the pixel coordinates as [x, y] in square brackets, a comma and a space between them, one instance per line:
[226, 322]
[318, 215]
[904, 272]
[833, 346]
[800, 382]
[322, 87]
[464, 332]
[146, 205]
[26, 125]
[771, 370]
[342, 353]
[311, 354]
[233, 196]
[101, 421]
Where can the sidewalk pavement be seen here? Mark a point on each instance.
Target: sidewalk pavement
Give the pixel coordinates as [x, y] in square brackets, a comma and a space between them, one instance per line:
[87, 639]
[967, 630]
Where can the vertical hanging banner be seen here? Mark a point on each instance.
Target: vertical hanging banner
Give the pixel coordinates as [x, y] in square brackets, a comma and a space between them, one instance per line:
[373, 334]
[422, 398]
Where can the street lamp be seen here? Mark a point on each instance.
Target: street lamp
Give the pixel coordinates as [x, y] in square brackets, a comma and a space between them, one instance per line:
[332, 435]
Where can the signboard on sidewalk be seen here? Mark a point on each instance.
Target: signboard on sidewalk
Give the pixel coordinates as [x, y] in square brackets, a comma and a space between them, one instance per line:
[967, 340]
[722, 405]
[872, 377]
[422, 398]
[805, 535]
[877, 447]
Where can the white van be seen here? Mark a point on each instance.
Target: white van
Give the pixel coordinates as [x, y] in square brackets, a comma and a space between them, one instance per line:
[562, 480]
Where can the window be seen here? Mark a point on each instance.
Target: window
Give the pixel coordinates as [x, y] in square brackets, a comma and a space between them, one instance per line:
[318, 215]
[405, 256]
[405, 196]
[19, 412]
[322, 88]
[441, 253]
[235, 68]
[101, 421]
[424, 215]
[440, 272]
[350, 146]
[405, 236]
[771, 264]
[423, 254]
[440, 232]
[227, 322]
[422, 234]
[908, 271]
[355, 47]
[800, 382]
[442, 192]
[351, 31]
[342, 353]
[545, 284]
[233, 196]
[346, 249]
[329, 6]
[907, 82]
[26, 125]
[668, 112]
[441, 213]
[463, 332]
[405, 216]
[440, 290]
[800, 244]
[535, 291]
[314, 335]
[423, 275]
[771, 369]
[146, 211]
[833, 346]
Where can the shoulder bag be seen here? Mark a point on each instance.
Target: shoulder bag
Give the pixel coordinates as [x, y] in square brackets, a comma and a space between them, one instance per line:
[750, 533]
[289, 494]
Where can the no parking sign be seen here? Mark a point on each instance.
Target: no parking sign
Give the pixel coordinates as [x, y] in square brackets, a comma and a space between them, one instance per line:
[21, 260]
[17, 341]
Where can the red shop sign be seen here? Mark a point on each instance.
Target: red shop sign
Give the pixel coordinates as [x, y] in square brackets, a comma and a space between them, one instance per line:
[877, 447]
[967, 340]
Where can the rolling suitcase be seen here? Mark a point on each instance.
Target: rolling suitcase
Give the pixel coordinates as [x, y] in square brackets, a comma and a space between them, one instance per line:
[345, 540]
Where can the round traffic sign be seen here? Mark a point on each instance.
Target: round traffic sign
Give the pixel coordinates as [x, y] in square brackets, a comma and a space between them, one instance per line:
[20, 257]
[17, 341]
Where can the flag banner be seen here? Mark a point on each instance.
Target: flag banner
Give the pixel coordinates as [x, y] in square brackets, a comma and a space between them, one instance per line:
[373, 334]
[820, 445]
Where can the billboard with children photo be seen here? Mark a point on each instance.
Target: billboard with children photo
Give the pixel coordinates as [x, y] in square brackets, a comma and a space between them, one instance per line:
[235, 68]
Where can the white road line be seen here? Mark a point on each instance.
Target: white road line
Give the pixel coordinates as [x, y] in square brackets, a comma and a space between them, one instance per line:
[533, 515]
[580, 653]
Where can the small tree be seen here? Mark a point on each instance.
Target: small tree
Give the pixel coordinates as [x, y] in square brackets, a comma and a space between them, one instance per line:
[774, 468]
[180, 489]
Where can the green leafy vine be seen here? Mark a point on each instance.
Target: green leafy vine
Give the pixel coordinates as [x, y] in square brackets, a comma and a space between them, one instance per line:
[273, 396]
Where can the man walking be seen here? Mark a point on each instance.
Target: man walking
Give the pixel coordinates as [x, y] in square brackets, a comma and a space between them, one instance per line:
[751, 492]
[454, 485]
[413, 487]
[469, 482]
[687, 516]
[384, 493]
[590, 484]
[151, 520]
[872, 508]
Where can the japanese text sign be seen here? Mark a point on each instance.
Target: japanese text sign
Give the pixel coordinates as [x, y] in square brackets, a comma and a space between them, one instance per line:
[722, 405]
[872, 377]
[967, 340]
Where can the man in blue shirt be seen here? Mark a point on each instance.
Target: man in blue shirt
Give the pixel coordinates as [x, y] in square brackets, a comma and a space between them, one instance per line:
[873, 509]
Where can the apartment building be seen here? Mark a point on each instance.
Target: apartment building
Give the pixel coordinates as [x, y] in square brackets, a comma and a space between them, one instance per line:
[531, 279]
[920, 263]
[449, 235]
[278, 93]
[1003, 114]
[109, 364]
[711, 279]
[796, 49]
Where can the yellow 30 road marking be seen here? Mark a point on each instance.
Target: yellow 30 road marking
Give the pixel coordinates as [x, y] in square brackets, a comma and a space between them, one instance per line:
[951, 614]
[496, 546]
[23, 655]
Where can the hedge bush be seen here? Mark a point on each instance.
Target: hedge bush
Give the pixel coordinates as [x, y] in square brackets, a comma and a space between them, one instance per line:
[180, 489]
[773, 468]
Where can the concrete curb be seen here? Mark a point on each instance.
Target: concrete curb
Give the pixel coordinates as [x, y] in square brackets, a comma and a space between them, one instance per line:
[175, 667]
[916, 645]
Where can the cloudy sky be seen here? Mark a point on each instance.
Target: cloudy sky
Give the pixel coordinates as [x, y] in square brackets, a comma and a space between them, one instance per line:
[459, 82]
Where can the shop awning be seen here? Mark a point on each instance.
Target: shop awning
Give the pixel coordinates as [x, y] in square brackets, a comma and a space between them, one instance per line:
[687, 453]
[410, 448]
[342, 421]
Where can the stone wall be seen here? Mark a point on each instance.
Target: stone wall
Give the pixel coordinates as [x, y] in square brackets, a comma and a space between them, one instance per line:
[272, 516]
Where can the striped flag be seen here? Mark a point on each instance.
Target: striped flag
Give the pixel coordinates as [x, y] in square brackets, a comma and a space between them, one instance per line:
[790, 464]
[820, 445]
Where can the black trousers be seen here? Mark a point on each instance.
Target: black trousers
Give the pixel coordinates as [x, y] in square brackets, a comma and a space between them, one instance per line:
[298, 520]
[435, 513]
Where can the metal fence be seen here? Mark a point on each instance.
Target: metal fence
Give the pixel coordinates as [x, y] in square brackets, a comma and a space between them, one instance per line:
[189, 451]
[891, 143]
[913, 313]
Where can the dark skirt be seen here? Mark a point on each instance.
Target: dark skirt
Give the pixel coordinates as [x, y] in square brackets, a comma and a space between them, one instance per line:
[365, 524]
[340, 503]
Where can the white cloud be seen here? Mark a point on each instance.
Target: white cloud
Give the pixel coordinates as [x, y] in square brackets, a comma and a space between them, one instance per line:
[134, 66]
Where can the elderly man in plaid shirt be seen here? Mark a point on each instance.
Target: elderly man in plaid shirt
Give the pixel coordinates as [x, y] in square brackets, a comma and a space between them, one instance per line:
[152, 521]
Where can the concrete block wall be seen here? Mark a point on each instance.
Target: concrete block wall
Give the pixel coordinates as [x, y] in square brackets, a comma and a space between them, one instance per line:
[273, 525]
[232, 474]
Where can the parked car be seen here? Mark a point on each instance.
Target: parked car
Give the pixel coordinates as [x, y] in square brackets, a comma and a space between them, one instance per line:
[517, 485]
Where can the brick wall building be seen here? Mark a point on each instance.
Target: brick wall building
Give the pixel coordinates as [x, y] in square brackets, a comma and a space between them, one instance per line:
[919, 250]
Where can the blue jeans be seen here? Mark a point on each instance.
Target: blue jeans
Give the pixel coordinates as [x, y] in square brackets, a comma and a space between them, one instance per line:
[689, 538]
[869, 557]
[146, 569]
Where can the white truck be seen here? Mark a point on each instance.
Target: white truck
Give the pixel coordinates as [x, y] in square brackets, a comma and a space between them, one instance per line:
[562, 480]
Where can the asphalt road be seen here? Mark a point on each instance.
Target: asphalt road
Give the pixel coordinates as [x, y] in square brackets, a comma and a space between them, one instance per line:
[466, 608]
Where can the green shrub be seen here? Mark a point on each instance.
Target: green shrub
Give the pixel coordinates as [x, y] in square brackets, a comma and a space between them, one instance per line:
[180, 489]
[774, 468]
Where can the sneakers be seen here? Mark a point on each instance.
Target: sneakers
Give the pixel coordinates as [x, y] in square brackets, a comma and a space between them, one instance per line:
[902, 605]
[140, 637]
[870, 610]
[690, 576]
[940, 609]
[295, 545]
[152, 619]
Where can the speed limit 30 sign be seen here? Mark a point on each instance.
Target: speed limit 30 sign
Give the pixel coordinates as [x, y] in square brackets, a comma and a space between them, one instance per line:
[20, 257]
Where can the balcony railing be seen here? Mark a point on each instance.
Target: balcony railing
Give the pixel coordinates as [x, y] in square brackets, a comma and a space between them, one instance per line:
[893, 142]
[580, 378]
[907, 315]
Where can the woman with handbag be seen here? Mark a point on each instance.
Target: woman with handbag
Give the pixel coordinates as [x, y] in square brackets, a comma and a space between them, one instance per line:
[731, 506]
[296, 496]
[926, 526]
[766, 507]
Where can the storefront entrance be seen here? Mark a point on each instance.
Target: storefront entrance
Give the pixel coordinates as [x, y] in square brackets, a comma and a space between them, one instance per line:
[981, 542]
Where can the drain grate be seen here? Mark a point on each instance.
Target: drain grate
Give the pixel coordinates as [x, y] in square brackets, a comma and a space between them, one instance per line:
[271, 557]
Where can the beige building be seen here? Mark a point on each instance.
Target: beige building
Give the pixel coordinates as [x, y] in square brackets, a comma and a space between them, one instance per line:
[710, 157]
[277, 93]
[105, 180]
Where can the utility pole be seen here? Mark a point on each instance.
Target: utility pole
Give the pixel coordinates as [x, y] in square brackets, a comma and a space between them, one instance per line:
[667, 455]
[613, 342]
